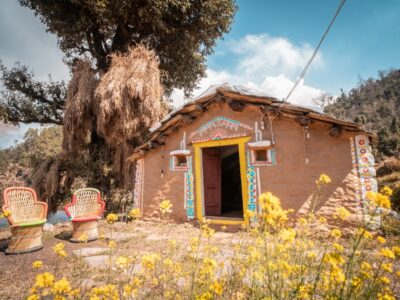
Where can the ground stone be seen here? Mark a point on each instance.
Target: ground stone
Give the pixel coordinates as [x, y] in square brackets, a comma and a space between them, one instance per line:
[154, 237]
[90, 251]
[120, 236]
[47, 227]
[98, 261]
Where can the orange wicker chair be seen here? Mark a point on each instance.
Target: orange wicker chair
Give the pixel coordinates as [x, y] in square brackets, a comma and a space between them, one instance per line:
[27, 216]
[85, 211]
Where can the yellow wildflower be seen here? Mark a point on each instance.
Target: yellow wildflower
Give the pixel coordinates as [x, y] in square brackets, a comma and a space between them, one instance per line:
[205, 296]
[208, 232]
[396, 250]
[83, 238]
[217, 288]
[111, 218]
[356, 282]
[304, 291]
[37, 264]
[288, 235]
[385, 296]
[33, 297]
[61, 286]
[44, 280]
[323, 179]
[342, 213]
[381, 240]
[336, 233]
[384, 280]
[386, 191]
[387, 267]
[149, 260]
[338, 247]
[386, 252]
[59, 250]
[322, 220]
[108, 291]
[122, 261]
[334, 258]
[378, 199]
[112, 244]
[165, 207]
[134, 213]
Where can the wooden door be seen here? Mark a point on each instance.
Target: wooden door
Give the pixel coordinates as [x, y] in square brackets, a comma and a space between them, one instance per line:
[212, 181]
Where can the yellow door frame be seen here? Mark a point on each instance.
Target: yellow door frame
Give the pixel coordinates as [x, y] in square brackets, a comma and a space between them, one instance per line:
[240, 142]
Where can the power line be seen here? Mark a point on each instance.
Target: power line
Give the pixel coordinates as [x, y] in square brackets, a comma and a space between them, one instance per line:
[303, 73]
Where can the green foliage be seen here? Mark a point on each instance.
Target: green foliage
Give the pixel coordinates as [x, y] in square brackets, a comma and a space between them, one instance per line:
[182, 32]
[375, 104]
[26, 100]
[37, 146]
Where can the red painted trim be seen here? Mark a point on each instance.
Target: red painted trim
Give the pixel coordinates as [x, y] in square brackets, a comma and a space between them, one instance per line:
[82, 219]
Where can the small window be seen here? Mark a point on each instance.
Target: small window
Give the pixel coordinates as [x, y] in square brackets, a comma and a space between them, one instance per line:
[179, 160]
[261, 155]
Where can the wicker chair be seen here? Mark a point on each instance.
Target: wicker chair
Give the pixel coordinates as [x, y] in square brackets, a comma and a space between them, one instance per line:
[27, 216]
[85, 211]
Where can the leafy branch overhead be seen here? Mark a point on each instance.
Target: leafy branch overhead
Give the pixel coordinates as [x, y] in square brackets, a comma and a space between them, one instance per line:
[26, 100]
[181, 32]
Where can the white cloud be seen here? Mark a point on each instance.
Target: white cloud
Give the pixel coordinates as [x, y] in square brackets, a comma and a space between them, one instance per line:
[264, 63]
[263, 54]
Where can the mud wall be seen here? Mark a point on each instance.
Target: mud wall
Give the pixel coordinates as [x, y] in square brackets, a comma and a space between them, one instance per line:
[291, 179]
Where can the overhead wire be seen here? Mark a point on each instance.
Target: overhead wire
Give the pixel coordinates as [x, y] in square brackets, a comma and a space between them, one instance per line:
[303, 73]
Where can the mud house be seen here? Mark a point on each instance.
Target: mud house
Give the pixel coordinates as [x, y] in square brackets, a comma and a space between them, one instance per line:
[215, 155]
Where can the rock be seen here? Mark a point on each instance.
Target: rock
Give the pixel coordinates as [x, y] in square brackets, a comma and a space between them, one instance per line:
[90, 251]
[87, 284]
[98, 261]
[120, 236]
[47, 227]
[154, 237]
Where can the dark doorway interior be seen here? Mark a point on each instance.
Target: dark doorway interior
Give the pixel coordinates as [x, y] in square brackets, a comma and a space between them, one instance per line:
[222, 182]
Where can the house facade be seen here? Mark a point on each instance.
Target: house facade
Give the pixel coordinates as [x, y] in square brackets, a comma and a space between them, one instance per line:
[215, 155]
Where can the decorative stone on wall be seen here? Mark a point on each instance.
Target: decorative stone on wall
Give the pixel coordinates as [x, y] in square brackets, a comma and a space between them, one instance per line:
[363, 166]
[139, 184]
[220, 128]
[189, 190]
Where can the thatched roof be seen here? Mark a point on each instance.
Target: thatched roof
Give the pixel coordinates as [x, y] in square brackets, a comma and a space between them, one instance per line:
[237, 97]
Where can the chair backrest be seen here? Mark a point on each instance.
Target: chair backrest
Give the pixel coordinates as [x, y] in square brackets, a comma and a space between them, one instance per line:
[86, 201]
[21, 202]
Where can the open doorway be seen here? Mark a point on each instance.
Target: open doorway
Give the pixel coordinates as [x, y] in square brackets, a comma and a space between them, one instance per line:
[222, 182]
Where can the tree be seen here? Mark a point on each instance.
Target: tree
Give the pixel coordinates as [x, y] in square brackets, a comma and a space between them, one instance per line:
[95, 36]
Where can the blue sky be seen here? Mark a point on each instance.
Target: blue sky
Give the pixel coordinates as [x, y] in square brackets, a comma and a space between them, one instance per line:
[268, 46]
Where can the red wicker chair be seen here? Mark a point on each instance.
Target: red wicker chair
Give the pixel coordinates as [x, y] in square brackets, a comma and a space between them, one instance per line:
[27, 216]
[85, 211]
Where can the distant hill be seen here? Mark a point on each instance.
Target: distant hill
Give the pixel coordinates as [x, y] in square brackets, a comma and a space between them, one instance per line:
[374, 103]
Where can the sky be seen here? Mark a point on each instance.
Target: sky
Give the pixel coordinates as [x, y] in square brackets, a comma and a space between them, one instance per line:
[268, 46]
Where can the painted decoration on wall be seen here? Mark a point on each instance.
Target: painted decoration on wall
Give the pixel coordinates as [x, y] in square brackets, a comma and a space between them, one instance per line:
[363, 165]
[139, 184]
[189, 190]
[220, 128]
[251, 185]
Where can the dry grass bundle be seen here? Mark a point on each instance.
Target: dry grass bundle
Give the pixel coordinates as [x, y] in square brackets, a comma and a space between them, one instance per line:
[78, 106]
[46, 181]
[121, 167]
[129, 96]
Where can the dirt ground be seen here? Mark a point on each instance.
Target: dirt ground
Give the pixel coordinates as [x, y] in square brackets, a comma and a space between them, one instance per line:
[17, 274]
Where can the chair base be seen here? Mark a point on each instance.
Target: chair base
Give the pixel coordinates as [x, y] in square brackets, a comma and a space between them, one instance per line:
[25, 239]
[88, 229]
